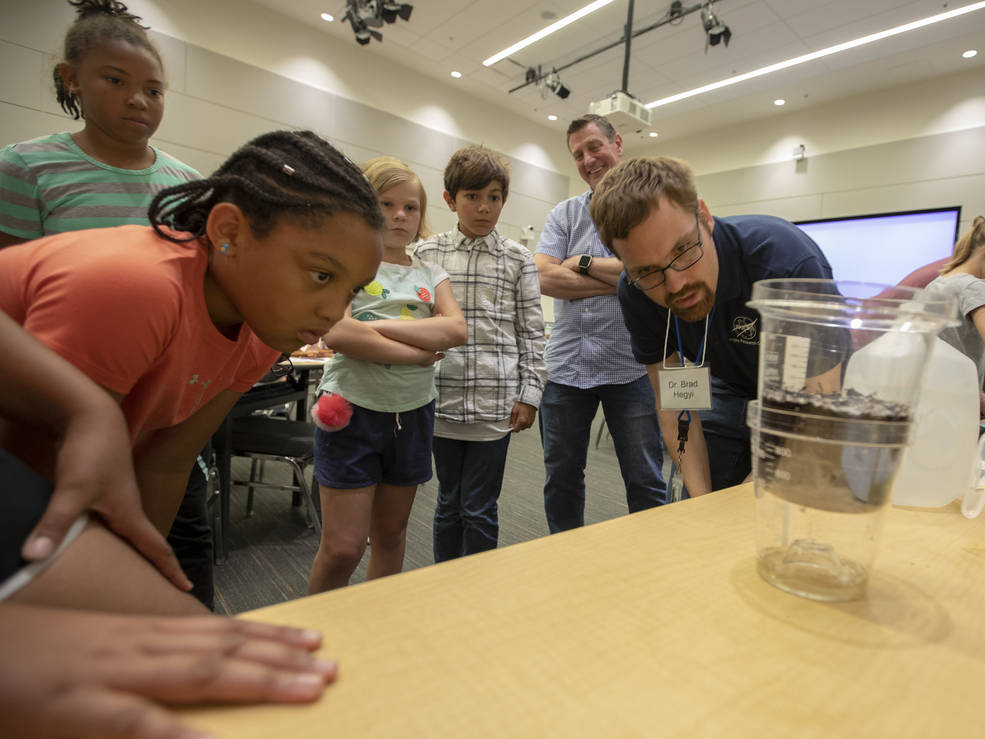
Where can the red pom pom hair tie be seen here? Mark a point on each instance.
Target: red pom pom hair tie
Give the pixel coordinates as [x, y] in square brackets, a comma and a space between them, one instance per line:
[332, 412]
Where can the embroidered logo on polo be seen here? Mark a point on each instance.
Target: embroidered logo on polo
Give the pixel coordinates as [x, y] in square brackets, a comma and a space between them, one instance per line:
[745, 330]
[204, 388]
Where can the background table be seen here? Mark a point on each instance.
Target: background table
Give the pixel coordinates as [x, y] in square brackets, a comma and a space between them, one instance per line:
[292, 388]
[654, 624]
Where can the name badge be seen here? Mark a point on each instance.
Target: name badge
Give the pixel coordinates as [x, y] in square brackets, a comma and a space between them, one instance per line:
[685, 389]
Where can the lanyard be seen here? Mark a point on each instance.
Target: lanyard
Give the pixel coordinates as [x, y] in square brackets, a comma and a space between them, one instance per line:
[680, 345]
[684, 417]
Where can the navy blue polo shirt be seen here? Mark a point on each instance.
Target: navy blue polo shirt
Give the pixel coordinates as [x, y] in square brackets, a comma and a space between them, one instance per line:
[749, 248]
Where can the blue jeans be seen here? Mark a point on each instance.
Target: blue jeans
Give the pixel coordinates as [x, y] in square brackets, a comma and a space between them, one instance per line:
[470, 477]
[727, 435]
[566, 415]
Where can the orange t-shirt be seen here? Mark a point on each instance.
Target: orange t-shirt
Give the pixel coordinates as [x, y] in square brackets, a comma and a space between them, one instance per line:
[127, 307]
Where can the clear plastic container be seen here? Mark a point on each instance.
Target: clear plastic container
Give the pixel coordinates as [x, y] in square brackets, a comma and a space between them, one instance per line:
[825, 454]
[822, 484]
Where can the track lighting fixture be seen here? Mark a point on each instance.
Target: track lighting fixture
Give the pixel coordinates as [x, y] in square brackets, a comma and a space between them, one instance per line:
[364, 15]
[553, 83]
[392, 10]
[546, 83]
[716, 31]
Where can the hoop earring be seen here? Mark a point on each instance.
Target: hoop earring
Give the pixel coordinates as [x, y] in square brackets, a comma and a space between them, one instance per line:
[224, 247]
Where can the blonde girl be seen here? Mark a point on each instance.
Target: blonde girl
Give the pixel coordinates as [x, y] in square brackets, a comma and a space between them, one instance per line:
[368, 472]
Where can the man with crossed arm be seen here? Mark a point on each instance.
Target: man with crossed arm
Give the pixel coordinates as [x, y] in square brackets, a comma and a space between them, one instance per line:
[588, 356]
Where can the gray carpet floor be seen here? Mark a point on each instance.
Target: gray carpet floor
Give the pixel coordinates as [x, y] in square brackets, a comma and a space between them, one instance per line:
[269, 554]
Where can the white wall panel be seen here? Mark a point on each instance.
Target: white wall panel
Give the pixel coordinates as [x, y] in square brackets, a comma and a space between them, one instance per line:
[926, 172]
[26, 86]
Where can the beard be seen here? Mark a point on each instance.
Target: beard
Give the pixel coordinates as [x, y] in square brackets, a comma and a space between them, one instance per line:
[697, 311]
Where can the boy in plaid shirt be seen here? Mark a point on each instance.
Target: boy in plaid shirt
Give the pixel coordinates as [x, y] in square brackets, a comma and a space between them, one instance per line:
[491, 386]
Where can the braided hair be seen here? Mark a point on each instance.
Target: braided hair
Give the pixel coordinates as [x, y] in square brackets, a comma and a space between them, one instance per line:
[98, 21]
[296, 174]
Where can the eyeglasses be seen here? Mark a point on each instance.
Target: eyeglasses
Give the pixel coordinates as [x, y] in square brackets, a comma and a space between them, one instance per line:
[684, 260]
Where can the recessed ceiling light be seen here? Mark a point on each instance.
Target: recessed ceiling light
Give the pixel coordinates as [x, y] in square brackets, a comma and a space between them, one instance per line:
[779, 101]
[837, 48]
[970, 53]
[653, 134]
[552, 117]
[327, 17]
[546, 31]
[456, 74]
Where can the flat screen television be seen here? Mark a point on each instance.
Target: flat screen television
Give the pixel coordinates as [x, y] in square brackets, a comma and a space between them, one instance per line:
[885, 247]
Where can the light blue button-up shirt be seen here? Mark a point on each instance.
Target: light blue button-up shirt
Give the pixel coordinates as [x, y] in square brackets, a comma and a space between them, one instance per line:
[589, 343]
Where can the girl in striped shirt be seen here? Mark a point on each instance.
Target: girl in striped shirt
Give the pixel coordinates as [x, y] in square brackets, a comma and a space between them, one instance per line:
[106, 174]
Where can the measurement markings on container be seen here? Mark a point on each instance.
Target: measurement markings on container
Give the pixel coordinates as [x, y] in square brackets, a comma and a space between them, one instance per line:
[796, 351]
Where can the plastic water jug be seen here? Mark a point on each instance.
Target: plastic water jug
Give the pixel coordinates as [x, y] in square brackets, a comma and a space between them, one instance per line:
[941, 460]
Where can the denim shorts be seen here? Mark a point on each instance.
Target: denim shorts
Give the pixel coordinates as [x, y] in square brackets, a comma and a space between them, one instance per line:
[392, 448]
[23, 498]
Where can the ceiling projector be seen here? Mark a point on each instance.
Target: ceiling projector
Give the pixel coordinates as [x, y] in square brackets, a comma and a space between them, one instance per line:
[624, 112]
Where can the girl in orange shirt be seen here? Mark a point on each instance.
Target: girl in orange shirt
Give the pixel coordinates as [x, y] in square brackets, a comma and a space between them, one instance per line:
[176, 321]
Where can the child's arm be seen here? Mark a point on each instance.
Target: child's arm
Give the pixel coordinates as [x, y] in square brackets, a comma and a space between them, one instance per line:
[528, 326]
[92, 467]
[359, 340]
[165, 459]
[522, 416]
[436, 333]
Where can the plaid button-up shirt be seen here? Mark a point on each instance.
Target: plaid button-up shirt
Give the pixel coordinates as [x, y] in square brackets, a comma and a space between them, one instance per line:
[496, 284]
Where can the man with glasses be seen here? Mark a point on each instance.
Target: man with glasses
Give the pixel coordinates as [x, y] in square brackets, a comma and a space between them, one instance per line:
[589, 360]
[687, 279]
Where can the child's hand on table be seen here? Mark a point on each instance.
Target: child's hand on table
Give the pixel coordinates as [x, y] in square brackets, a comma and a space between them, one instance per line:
[86, 674]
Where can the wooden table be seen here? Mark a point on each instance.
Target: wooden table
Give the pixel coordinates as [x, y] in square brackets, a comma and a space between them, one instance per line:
[650, 625]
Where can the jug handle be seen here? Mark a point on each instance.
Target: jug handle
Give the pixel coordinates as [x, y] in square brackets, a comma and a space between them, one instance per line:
[974, 499]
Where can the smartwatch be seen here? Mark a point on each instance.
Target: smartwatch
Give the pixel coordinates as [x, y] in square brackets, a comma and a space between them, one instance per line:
[584, 262]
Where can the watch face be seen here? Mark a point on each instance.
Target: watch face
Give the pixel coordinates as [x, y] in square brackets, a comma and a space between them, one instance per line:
[585, 261]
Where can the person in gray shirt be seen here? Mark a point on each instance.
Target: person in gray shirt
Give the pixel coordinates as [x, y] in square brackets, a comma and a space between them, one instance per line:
[964, 279]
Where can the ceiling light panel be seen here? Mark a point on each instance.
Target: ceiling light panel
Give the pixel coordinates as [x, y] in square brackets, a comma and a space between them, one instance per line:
[546, 31]
[854, 43]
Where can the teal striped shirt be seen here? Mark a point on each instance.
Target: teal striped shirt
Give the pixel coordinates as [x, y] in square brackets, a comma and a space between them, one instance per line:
[49, 185]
